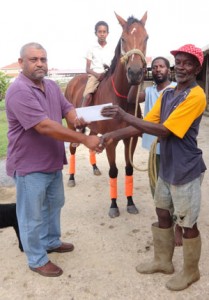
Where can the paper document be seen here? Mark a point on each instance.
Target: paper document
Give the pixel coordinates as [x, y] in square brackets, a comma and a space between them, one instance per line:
[92, 113]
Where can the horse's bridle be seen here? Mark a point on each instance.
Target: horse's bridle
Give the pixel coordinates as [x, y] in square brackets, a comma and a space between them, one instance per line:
[126, 55]
[124, 59]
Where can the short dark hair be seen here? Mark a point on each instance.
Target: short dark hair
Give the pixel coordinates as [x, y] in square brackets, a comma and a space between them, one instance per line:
[101, 23]
[167, 63]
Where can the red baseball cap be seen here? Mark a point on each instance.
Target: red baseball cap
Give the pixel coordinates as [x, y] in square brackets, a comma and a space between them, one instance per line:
[191, 49]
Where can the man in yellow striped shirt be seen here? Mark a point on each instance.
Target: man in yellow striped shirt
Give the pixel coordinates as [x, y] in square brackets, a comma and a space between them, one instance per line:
[175, 119]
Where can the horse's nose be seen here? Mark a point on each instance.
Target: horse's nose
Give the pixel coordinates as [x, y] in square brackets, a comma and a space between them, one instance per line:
[135, 75]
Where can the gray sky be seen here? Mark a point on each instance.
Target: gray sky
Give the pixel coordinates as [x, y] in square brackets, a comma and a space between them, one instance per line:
[66, 27]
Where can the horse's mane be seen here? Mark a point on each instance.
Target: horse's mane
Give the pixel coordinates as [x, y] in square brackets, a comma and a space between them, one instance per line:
[117, 55]
[132, 20]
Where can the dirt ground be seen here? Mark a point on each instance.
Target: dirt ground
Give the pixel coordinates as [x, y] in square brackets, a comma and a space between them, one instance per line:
[102, 266]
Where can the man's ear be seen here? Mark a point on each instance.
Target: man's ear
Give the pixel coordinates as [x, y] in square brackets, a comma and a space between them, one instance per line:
[20, 61]
[198, 70]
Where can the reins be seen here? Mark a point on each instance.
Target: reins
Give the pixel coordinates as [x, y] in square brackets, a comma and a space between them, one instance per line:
[152, 154]
[116, 92]
[140, 87]
[152, 169]
[124, 59]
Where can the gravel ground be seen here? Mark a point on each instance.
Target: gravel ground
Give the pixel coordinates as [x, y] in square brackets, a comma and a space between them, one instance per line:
[107, 251]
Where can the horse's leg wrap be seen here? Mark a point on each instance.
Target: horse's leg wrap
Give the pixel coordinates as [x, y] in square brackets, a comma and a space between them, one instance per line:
[113, 211]
[113, 188]
[129, 186]
[92, 157]
[72, 164]
[131, 208]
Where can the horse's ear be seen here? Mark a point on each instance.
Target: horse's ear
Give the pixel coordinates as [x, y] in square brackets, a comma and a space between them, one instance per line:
[120, 20]
[144, 18]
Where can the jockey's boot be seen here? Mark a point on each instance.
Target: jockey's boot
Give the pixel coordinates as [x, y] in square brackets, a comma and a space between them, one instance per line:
[190, 272]
[163, 240]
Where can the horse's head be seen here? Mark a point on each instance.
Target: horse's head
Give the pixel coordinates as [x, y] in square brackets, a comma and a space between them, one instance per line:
[133, 47]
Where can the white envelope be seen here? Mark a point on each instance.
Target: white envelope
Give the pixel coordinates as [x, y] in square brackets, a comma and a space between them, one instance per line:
[92, 113]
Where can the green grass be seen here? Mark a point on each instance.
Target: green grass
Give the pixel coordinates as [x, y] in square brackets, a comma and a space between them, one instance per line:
[2, 105]
[3, 130]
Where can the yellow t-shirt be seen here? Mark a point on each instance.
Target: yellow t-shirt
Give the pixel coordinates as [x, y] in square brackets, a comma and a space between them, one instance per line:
[183, 115]
[180, 159]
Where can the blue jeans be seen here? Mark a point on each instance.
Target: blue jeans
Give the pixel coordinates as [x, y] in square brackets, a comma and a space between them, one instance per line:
[40, 197]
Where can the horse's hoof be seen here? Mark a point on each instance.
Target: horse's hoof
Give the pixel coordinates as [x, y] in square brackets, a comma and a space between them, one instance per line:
[114, 212]
[97, 172]
[131, 209]
[71, 183]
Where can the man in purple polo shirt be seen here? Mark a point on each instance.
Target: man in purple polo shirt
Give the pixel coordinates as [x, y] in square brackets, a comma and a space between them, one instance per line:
[35, 107]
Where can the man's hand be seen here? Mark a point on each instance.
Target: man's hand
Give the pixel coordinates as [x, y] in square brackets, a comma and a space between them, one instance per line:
[106, 139]
[113, 111]
[94, 143]
[80, 123]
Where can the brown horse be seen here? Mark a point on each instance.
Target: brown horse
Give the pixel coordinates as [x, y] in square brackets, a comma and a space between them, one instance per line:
[127, 69]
